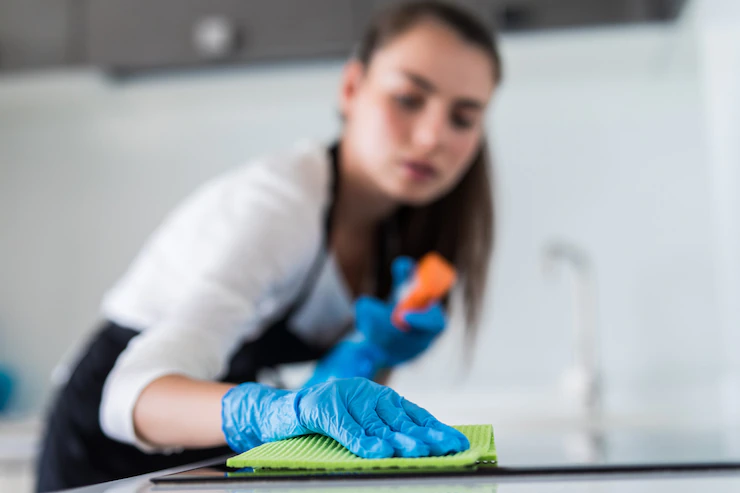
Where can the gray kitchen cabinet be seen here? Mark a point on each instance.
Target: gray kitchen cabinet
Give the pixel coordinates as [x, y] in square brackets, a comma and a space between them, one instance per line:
[140, 34]
[539, 15]
[531, 15]
[515, 15]
[364, 10]
[36, 33]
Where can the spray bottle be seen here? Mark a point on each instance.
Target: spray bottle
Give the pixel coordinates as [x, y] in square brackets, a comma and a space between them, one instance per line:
[431, 281]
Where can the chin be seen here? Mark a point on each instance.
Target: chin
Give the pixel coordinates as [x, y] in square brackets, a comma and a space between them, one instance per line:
[416, 198]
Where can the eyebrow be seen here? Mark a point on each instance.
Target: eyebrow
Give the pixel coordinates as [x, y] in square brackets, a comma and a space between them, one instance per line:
[426, 85]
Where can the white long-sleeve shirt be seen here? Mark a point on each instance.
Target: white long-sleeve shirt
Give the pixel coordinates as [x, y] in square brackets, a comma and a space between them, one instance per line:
[225, 263]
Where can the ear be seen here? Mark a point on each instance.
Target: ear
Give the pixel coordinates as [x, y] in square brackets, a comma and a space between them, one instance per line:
[352, 77]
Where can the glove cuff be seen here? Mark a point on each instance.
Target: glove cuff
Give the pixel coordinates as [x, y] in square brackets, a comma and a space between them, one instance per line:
[253, 414]
[368, 358]
[352, 357]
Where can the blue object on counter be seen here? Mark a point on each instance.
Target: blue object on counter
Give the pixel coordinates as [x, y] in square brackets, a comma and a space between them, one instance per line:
[6, 387]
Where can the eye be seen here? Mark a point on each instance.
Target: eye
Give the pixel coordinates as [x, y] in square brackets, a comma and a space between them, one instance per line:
[409, 102]
[461, 122]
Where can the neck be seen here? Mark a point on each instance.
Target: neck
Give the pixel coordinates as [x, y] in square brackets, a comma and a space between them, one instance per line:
[360, 204]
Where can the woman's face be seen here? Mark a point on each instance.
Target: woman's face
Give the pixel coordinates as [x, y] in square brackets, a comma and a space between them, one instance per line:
[414, 116]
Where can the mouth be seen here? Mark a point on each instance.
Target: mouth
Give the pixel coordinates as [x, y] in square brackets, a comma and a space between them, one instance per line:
[419, 170]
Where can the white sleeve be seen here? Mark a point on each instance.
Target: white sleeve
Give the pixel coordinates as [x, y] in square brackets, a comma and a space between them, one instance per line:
[232, 242]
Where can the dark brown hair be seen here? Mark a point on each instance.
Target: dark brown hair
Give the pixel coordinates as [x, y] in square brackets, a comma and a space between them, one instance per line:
[460, 225]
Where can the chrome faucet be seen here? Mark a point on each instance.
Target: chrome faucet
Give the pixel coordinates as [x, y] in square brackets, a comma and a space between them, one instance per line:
[583, 379]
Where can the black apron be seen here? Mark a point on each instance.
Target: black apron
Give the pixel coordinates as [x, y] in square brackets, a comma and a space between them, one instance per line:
[75, 451]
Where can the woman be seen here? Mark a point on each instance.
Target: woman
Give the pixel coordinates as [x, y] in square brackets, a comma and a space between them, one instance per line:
[261, 266]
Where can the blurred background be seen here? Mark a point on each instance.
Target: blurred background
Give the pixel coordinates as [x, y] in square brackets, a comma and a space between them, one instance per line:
[616, 134]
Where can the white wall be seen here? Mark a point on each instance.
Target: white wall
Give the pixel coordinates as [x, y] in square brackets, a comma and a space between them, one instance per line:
[717, 24]
[599, 140]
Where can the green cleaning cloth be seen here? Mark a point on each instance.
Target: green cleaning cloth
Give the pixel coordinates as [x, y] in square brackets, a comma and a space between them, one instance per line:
[319, 452]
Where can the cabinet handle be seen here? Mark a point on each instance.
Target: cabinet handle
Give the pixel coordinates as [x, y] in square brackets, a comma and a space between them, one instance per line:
[215, 37]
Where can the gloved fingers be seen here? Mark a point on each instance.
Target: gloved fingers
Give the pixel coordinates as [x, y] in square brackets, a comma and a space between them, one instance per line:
[327, 367]
[347, 359]
[440, 441]
[343, 428]
[371, 308]
[424, 418]
[432, 320]
[403, 445]
[371, 315]
[413, 346]
[402, 268]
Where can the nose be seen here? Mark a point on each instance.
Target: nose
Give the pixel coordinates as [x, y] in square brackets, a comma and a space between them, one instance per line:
[430, 129]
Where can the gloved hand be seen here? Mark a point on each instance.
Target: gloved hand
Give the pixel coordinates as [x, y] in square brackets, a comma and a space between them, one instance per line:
[373, 321]
[377, 343]
[399, 344]
[351, 357]
[370, 420]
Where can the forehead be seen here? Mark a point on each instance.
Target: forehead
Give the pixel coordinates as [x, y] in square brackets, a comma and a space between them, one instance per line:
[434, 51]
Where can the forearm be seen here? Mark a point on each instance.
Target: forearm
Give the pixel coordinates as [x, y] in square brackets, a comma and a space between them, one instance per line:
[178, 411]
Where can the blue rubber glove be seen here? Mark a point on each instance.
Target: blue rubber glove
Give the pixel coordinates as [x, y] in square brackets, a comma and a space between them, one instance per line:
[377, 343]
[370, 420]
[373, 320]
[351, 357]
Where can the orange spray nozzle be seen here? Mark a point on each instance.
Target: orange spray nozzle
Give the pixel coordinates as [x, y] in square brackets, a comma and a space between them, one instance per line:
[433, 278]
